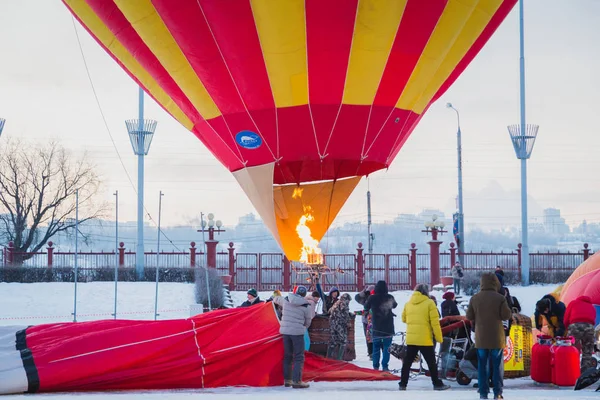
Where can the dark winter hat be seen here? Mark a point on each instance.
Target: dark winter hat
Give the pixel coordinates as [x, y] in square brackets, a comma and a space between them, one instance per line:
[301, 291]
[252, 292]
[346, 298]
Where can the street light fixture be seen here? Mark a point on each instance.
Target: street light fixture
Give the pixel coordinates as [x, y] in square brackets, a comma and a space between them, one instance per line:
[460, 237]
[523, 141]
[141, 132]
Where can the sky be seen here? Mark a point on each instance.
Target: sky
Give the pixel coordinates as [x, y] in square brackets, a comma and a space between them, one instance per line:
[45, 94]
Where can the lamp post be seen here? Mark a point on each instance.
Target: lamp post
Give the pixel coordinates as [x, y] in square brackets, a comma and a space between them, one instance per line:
[460, 237]
[141, 132]
[434, 227]
[211, 243]
[523, 138]
[210, 247]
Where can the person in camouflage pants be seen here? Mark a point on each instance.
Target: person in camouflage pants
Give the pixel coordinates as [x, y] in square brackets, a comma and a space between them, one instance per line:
[584, 337]
[580, 318]
[338, 327]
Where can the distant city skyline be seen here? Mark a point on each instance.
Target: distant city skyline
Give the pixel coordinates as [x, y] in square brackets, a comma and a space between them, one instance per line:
[45, 93]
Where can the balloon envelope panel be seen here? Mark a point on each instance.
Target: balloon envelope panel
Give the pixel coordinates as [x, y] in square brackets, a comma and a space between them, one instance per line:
[320, 89]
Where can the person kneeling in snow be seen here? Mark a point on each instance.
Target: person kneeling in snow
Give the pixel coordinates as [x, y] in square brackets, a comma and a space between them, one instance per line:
[338, 327]
[297, 316]
[553, 311]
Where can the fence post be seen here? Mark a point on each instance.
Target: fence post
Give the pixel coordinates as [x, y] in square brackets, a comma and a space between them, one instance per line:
[192, 254]
[50, 254]
[586, 251]
[233, 279]
[10, 253]
[287, 275]
[386, 272]
[453, 255]
[519, 246]
[360, 268]
[121, 254]
[412, 278]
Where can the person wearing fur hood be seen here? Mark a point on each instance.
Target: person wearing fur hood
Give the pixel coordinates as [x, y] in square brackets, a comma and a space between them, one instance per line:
[339, 318]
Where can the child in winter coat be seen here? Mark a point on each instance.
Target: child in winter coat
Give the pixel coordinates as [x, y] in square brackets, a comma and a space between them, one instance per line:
[338, 327]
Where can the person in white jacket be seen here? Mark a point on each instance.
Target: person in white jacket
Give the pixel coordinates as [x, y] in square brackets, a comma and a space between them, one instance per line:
[298, 313]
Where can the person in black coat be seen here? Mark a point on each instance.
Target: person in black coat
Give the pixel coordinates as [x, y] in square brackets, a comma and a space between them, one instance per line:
[449, 305]
[554, 312]
[252, 298]
[380, 305]
[512, 301]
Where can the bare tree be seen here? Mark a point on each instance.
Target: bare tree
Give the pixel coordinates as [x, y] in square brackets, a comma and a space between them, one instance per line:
[37, 194]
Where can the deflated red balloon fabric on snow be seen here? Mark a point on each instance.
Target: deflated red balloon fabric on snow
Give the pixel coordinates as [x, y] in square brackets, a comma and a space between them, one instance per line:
[237, 347]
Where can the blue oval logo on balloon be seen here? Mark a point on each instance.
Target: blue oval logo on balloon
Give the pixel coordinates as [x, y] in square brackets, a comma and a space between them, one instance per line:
[248, 140]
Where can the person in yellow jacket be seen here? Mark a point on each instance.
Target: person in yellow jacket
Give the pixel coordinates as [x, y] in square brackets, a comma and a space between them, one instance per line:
[422, 325]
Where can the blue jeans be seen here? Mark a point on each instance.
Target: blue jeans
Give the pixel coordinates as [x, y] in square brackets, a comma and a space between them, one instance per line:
[456, 283]
[381, 345]
[484, 358]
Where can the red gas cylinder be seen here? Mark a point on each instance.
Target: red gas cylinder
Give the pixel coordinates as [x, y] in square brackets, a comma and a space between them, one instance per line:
[541, 357]
[565, 362]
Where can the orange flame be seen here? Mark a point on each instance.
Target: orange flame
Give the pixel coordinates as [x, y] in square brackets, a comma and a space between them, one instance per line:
[297, 193]
[311, 253]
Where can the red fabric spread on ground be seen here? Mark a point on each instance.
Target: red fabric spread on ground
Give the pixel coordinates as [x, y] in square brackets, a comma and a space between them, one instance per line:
[236, 347]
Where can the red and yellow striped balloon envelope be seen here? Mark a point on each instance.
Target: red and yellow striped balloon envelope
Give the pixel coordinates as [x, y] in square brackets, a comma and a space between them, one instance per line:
[297, 98]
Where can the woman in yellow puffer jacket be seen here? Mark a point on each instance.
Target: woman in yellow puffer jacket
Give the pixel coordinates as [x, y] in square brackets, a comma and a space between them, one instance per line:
[422, 325]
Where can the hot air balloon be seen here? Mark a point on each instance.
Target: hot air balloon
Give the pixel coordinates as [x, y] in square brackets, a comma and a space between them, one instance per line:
[299, 99]
[210, 350]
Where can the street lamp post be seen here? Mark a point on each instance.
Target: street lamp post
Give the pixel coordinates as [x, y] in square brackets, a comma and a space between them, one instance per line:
[523, 138]
[141, 132]
[460, 239]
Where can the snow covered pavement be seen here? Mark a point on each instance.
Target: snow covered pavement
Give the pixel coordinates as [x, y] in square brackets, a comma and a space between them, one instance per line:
[38, 303]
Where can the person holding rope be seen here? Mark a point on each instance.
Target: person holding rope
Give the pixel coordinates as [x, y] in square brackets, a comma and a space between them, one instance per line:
[422, 327]
[380, 305]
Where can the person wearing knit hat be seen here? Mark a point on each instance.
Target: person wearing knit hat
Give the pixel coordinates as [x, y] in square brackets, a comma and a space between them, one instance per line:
[449, 305]
[298, 313]
[253, 298]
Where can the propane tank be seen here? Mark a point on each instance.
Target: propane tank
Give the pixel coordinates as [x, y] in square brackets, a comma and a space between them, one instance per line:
[566, 367]
[541, 370]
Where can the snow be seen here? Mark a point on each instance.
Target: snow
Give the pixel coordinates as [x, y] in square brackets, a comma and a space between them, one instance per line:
[37, 303]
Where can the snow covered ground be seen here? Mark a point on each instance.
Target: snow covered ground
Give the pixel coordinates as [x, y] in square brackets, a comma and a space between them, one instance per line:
[37, 303]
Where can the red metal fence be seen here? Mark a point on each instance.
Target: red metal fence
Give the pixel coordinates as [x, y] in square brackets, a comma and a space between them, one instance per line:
[270, 271]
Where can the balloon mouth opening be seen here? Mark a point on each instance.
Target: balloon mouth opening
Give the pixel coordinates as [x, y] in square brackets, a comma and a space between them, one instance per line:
[310, 253]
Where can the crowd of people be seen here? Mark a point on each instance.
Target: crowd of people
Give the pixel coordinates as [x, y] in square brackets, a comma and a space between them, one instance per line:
[491, 312]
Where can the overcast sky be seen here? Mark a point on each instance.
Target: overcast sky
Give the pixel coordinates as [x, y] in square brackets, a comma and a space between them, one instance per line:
[45, 93]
